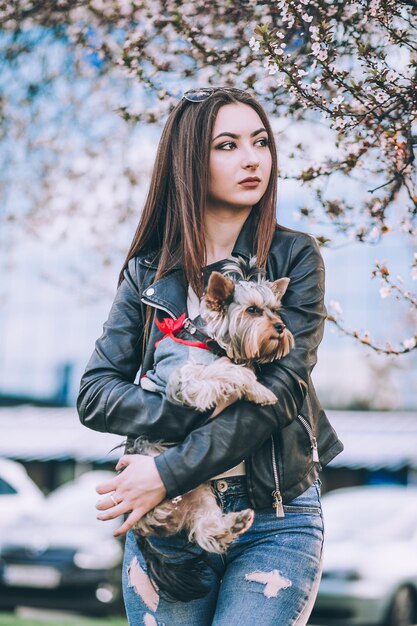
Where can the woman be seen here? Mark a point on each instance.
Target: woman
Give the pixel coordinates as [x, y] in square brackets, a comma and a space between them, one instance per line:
[213, 194]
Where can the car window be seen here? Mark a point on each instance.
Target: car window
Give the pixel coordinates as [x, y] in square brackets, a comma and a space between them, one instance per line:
[370, 516]
[74, 503]
[6, 489]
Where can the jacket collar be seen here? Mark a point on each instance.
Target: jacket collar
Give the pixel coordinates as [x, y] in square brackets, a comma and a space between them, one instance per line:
[169, 293]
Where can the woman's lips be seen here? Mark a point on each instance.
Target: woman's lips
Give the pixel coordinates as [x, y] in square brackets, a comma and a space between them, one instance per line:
[250, 182]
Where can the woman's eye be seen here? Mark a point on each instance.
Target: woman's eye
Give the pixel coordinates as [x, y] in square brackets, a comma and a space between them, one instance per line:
[229, 145]
[264, 141]
[254, 310]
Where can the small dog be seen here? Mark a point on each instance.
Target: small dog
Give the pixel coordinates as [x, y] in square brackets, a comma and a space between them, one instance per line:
[239, 326]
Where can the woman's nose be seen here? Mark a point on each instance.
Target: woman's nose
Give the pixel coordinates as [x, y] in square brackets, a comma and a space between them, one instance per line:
[253, 164]
[250, 161]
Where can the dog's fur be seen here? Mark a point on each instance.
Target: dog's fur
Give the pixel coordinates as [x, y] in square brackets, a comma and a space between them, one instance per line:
[242, 316]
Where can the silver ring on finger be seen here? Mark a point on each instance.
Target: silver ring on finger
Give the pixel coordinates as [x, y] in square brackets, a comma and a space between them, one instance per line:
[114, 500]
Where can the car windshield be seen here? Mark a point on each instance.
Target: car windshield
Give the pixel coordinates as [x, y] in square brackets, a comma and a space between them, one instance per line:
[370, 514]
[73, 504]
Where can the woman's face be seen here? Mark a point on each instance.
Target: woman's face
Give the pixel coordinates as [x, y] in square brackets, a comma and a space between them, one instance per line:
[240, 158]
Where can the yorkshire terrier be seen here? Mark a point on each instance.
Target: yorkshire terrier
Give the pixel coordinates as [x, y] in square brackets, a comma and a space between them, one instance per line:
[204, 363]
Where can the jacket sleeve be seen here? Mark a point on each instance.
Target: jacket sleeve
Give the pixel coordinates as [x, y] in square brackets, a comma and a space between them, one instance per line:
[241, 428]
[108, 399]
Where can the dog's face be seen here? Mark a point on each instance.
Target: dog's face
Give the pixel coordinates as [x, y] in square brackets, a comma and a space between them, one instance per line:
[244, 318]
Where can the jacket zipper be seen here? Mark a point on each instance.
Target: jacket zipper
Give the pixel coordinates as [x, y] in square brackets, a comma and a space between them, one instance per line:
[276, 494]
[312, 438]
[158, 306]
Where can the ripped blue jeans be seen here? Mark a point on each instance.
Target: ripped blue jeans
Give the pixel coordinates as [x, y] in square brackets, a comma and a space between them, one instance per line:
[270, 574]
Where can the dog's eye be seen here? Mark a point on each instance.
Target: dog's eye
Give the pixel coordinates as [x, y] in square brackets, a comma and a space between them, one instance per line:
[254, 310]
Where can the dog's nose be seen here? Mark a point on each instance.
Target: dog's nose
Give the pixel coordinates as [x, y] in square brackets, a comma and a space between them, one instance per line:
[279, 326]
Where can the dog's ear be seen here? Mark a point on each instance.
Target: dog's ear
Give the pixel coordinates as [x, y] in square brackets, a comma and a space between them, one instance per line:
[219, 292]
[279, 287]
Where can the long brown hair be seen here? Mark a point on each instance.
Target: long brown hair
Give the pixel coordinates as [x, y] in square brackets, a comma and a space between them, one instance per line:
[172, 221]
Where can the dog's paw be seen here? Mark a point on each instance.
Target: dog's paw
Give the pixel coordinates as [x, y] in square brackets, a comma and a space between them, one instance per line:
[239, 523]
[243, 521]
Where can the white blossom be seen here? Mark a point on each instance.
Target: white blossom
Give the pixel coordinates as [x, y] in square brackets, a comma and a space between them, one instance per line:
[409, 343]
[319, 51]
[384, 292]
[335, 307]
[338, 101]
[390, 76]
[280, 80]
[339, 124]
[380, 96]
[316, 85]
[254, 44]
[374, 233]
[306, 17]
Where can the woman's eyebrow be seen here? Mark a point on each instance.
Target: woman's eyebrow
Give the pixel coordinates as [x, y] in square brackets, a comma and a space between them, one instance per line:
[234, 136]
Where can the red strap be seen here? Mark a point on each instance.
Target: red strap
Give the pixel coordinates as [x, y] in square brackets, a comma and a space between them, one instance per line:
[169, 327]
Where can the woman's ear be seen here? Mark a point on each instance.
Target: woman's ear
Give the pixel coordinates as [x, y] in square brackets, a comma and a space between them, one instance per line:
[220, 290]
[279, 287]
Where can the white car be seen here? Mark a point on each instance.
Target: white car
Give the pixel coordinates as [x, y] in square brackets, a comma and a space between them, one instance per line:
[370, 557]
[60, 556]
[18, 493]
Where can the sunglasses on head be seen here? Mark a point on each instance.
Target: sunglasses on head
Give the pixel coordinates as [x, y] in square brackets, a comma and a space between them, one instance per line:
[202, 93]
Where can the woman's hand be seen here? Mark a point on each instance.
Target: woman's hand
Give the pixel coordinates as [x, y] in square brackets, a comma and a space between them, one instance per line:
[137, 489]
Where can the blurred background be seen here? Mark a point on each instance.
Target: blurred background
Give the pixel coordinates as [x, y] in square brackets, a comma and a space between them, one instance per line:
[85, 88]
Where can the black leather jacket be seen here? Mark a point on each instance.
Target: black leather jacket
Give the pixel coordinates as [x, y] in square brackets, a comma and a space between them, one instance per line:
[284, 445]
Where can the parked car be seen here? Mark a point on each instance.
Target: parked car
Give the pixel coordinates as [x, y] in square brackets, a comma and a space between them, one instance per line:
[61, 556]
[18, 493]
[370, 557]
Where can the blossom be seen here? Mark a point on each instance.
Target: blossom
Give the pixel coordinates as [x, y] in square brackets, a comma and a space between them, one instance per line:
[339, 124]
[280, 80]
[316, 85]
[322, 55]
[319, 51]
[380, 96]
[384, 292]
[374, 233]
[306, 17]
[390, 76]
[409, 343]
[335, 306]
[338, 101]
[254, 44]
[271, 66]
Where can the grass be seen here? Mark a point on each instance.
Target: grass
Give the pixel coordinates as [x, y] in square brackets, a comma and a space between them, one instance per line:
[11, 619]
